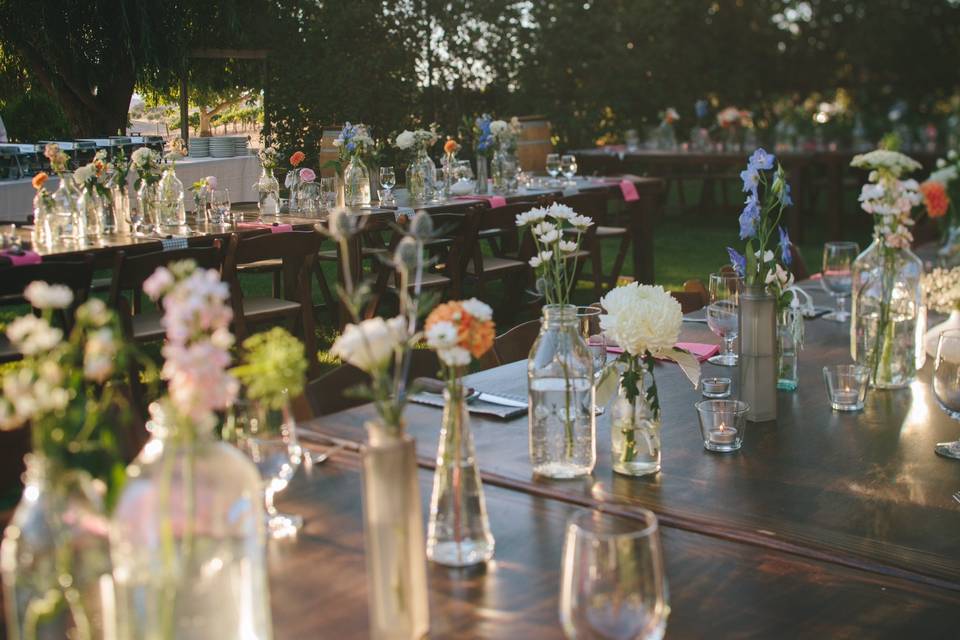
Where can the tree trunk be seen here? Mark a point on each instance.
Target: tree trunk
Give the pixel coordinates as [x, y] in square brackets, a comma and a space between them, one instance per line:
[205, 128]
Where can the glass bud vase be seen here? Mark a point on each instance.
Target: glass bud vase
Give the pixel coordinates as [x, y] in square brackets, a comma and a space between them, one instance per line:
[459, 531]
[188, 541]
[173, 211]
[634, 428]
[393, 533]
[499, 170]
[887, 319]
[421, 176]
[758, 353]
[483, 173]
[356, 183]
[292, 183]
[65, 210]
[561, 397]
[90, 206]
[55, 558]
[121, 208]
[44, 220]
[268, 193]
[789, 344]
[147, 201]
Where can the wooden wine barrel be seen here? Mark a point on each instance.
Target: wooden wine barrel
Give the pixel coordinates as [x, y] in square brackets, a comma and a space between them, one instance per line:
[535, 143]
[327, 150]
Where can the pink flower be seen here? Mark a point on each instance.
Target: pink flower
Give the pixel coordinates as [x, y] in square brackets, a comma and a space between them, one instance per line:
[307, 174]
[158, 283]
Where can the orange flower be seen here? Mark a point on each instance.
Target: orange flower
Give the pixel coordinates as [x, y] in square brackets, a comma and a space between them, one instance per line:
[39, 179]
[473, 334]
[297, 158]
[936, 198]
[450, 146]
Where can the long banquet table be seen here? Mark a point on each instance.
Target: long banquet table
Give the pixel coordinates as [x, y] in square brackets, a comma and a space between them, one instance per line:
[813, 501]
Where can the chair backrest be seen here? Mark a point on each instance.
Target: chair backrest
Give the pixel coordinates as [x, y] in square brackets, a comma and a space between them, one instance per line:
[798, 266]
[130, 271]
[77, 275]
[693, 297]
[512, 345]
[588, 203]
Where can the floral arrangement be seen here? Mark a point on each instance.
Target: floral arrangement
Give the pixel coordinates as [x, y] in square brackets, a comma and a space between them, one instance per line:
[483, 137]
[68, 390]
[273, 367]
[459, 331]
[732, 117]
[269, 157]
[97, 175]
[57, 158]
[121, 169]
[354, 140]
[424, 138]
[202, 187]
[176, 150]
[146, 163]
[888, 198]
[296, 158]
[38, 183]
[941, 289]
[669, 115]
[767, 197]
[196, 317]
[550, 228]
[506, 134]
[942, 189]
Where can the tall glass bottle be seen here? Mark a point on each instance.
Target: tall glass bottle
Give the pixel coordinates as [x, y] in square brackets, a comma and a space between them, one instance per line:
[88, 204]
[268, 193]
[149, 209]
[421, 177]
[888, 318]
[459, 531]
[43, 220]
[65, 210]
[561, 397]
[356, 183]
[188, 541]
[483, 173]
[173, 211]
[789, 344]
[55, 558]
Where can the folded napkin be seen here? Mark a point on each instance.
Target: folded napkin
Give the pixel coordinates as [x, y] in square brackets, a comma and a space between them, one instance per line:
[629, 191]
[701, 351]
[475, 406]
[494, 201]
[274, 228]
[22, 258]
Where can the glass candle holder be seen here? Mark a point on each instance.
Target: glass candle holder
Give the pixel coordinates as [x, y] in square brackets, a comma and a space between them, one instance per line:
[715, 388]
[722, 424]
[846, 386]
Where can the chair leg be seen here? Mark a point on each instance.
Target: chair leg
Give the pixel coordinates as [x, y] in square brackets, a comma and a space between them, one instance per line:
[277, 282]
[618, 263]
[328, 299]
[596, 268]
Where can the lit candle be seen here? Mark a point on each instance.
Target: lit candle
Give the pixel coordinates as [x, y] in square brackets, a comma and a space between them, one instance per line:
[723, 434]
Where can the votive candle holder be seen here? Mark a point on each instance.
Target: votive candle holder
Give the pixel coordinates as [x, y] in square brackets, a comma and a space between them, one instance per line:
[723, 424]
[846, 386]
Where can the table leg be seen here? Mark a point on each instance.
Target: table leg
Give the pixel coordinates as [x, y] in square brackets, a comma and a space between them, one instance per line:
[642, 214]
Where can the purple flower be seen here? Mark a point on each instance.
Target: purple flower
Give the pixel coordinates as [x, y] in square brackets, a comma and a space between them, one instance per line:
[760, 159]
[701, 108]
[785, 255]
[751, 180]
[785, 197]
[738, 261]
[749, 217]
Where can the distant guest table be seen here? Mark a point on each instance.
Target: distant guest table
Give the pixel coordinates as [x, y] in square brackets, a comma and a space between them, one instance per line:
[238, 174]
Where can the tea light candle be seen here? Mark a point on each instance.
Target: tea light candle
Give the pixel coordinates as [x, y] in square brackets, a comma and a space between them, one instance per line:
[722, 424]
[723, 435]
[715, 387]
[846, 386]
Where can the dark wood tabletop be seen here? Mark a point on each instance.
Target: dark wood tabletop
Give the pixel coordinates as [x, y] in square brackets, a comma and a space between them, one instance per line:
[862, 490]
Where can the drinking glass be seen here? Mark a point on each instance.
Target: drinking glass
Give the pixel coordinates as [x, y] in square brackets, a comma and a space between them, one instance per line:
[136, 219]
[269, 437]
[612, 583]
[568, 166]
[589, 320]
[722, 314]
[328, 192]
[388, 180]
[946, 385]
[837, 276]
[219, 206]
[553, 166]
[464, 170]
[8, 236]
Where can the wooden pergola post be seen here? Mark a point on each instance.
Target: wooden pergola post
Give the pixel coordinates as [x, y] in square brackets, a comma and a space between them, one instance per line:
[184, 111]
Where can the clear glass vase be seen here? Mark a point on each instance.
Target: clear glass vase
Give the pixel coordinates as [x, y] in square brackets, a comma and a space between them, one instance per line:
[172, 210]
[149, 209]
[66, 212]
[268, 193]
[421, 177]
[188, 542]
[356, 183]
[459, 531]
[55, 558]
[393, 533]
[789, 344]
[887, 318]
[634, 426]
[292, 183]
[121, 208]
[483, 173]
[91, 206]
[561, 397]
[44, 219]
[758, 352]
[503, 170]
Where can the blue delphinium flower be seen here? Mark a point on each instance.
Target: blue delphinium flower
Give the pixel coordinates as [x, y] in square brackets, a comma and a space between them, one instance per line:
[785, 255]
[760, 159]
[751, 180]
[700, 108]
[787, 200]
[749, 217]
[485, 139]
[738, 261]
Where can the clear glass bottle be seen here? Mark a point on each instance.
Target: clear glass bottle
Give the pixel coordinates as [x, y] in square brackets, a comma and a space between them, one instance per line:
[91, 207]
[55, 558]
[561, 397]
[173, 211]
[421, 176]
[188, 541]
[503, 171]
[147, 201]
[634, 427]
[888, 318]
[268, 193]
[459, 531]
[483, 172]
[43, 220]
[356, 183]
[121, 208]
[948, 255]
[65, 209]
[292, 183]
[789, 344]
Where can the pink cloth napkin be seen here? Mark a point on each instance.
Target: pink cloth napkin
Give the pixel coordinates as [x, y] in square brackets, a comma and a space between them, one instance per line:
[495, 201]
[28, 257]
[701, 351]
[629, 191]
[274, 228]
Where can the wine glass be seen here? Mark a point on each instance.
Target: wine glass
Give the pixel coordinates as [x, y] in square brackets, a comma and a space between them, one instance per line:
[946, 385]
[388, 180]
[568, 166]
[553, 166]
[722, 314]
[612, 582]
[269, 437]
[837, 277]
[219, 206]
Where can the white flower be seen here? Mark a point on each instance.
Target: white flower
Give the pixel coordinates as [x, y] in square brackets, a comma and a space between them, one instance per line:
[946, 175]
[871, 191]
[581, 222]
[941, 289]
[48, 296]
[158, 283]
[780, 276]
[544, 227]
[405, 140]
[560, 212]
[478, 309]
[535, 261]
[370, 344]
[499, 127]
[567, 246]
[94, 312]
[33, 335]
[534, 215]
[952, 155]
[767, 256]
[641, 318]
[210, 182]
[340, 224]
[98, 355]
[941, 163]
[893, 161]
[142, 157]
[454, 357]
[441, 335]
[549, 236]
[84, 174]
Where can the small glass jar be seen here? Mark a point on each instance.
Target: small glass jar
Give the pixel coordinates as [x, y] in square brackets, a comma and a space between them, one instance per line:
[789, 344]
[90, 205]
[421, 177]
[268, 193]
[147, 201]
[356, 183]
[292, 183]
[170, 192]
[634, 426]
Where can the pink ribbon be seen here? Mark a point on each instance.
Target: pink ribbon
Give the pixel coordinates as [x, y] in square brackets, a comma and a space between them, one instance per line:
[629, 191]
[28, 257]
[274, 228]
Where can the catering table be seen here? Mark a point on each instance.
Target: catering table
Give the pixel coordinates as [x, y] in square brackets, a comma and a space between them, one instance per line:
[814, 508]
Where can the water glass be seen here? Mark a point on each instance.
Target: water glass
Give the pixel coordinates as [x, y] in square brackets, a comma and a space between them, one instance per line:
[946, 385]
[328, 193]
[723, 314]
[846, 386]
[837, 276]
[388, 180]
[589, 320]
[723, 424]
[612, 581]
[568, 166]
[219, 206]
[269, 437]
[553, 165]
[464, 170]
[8, 236]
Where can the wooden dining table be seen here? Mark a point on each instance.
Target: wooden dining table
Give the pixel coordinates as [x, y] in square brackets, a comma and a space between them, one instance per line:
[824, 524]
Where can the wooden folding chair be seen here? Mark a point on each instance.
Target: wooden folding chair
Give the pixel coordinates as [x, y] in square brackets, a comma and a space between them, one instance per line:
[693, 297]
[511, 345]
[512, 266]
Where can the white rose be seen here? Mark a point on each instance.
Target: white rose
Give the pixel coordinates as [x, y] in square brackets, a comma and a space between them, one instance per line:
[405, 140]
[641, 318]
[441, 335]
[370, 344]
[498, 127]
[48, 296]
[478, 309]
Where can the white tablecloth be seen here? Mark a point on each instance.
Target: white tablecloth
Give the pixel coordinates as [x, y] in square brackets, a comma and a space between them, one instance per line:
[239, 175]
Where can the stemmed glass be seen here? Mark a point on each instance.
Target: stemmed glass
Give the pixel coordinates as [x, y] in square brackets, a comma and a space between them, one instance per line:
[219, 207]
[946, 385]
[568, 166]
[269, 437]
[612, 582]
[328, 192]
[553, 166]
[388, 180]
[837, 277]
[722, 314]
